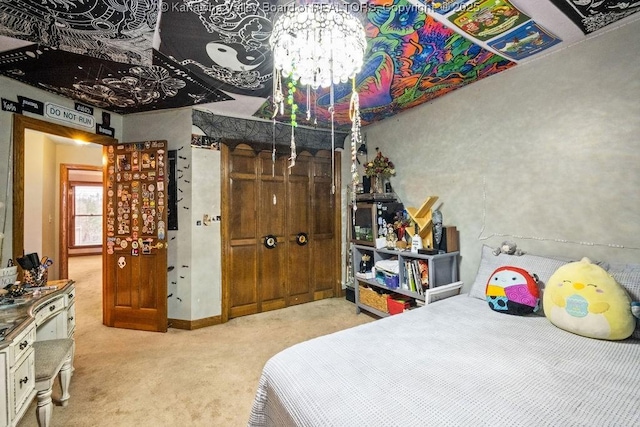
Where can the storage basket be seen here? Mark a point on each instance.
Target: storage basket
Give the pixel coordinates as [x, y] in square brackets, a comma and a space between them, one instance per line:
[373, 299]
[397, 304]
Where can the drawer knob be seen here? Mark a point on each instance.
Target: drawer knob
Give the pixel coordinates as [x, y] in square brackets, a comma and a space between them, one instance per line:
[53, 307]
[24, 381]
[71, 319]
[70, 296]
[24, 344]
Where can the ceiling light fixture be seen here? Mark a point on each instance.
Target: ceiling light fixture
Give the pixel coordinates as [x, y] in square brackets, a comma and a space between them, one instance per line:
[318, 43]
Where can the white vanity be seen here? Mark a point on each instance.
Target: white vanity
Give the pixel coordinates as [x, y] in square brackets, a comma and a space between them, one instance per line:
[49, 316]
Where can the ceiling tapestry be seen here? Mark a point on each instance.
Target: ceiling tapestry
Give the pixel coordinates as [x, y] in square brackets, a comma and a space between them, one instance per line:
[227, 44]
[591, 15]
[96, 28]
[121, 88]
[411, 59]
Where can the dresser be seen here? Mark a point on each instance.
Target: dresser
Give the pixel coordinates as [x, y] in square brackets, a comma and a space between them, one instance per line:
[49, 315]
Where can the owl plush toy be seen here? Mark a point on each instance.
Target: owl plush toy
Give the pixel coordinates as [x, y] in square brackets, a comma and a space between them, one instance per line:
[582, 298]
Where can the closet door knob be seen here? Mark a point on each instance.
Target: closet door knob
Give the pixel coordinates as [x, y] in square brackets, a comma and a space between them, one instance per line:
[270, 241]
[302, 239]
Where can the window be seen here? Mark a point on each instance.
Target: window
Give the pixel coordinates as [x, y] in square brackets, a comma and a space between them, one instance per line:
[86, 215]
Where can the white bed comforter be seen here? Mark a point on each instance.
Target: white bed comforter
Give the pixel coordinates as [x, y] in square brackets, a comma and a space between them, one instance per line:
[452, 363]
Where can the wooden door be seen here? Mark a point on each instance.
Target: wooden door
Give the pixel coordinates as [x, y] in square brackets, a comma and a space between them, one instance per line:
[261, 201]
[135, 244]
[299, 236]
[325, 234]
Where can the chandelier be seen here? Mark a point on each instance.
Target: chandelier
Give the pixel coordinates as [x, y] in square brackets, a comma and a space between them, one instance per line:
[317, 43]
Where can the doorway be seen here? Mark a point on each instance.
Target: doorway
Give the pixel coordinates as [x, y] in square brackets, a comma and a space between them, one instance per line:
[21, 126]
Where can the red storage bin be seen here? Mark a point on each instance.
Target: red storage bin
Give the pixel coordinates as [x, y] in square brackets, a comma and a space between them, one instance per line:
[397, 305]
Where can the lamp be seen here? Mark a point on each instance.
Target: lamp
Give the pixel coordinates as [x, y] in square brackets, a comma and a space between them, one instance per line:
[318, 43]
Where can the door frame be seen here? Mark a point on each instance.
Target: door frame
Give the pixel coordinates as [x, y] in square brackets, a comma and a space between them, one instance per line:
[20, 125]
[65, 188]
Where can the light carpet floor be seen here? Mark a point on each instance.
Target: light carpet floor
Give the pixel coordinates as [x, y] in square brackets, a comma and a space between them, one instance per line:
[206, 377]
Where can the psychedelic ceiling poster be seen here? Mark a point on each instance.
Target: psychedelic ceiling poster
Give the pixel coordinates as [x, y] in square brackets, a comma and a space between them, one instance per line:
[591, 15]
[411, 59]
[524, 41]
[486, 19]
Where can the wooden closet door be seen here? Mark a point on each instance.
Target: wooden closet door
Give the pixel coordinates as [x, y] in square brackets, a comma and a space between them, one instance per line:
[324, 236]
[272, 265]
[260, 200]
[240, 201]
[300, 272]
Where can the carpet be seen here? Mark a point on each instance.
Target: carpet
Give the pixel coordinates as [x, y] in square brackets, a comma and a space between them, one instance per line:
[205, 377]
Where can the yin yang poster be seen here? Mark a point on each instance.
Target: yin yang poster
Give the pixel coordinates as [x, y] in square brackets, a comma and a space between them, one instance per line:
[224, 43]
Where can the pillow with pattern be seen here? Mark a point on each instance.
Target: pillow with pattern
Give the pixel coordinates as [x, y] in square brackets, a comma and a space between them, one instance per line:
[513, 290]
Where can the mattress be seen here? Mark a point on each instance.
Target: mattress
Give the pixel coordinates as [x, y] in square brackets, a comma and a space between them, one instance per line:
[451, 363]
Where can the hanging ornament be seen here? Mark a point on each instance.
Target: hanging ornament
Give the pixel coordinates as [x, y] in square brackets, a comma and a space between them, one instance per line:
[308, 103]
[294, 108]
[356, 140]
[273, 148]
[278, 96]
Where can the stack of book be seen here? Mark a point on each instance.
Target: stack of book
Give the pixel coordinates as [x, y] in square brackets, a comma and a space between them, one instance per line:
[416, 275]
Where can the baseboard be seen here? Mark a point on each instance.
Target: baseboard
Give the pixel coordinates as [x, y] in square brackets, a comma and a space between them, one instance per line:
[195, 324]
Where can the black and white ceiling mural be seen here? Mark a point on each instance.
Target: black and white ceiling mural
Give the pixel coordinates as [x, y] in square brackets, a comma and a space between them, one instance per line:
[115, 30]
[115, 86]
[128, 56]
[226, 44]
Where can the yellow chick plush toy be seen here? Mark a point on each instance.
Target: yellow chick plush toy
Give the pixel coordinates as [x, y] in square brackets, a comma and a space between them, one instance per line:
[582, 298]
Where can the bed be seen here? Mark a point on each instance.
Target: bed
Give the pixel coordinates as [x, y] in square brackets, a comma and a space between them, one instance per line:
[453, 363]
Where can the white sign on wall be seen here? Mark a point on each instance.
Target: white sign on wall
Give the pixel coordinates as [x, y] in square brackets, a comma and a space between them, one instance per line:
[65, 114]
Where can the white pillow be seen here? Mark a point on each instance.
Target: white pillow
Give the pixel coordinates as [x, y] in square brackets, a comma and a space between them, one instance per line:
[540, 266]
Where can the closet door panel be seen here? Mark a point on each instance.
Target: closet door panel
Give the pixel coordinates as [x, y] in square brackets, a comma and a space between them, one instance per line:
[298, 219]
[243, 298]
[272, 260]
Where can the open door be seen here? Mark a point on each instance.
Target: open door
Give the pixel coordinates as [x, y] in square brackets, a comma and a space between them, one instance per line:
[135, 236]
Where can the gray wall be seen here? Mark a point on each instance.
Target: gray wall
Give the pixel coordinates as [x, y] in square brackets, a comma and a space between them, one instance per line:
[546, 154]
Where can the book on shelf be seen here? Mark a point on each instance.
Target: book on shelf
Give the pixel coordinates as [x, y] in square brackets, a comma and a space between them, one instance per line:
[416, 276]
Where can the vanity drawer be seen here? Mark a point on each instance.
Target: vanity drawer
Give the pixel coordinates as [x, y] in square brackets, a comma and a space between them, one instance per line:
[70, 295]
[22, 379]
[22, 344]
[71, 320]
[50, 309]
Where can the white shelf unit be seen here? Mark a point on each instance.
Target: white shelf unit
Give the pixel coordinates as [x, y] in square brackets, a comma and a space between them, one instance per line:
[442, 273]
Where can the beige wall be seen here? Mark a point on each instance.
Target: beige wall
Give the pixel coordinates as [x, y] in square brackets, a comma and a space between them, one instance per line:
[546, 154]
[11, 89]
[43, 157]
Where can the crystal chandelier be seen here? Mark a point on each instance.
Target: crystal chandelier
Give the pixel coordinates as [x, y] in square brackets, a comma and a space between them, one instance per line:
[318, 43]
